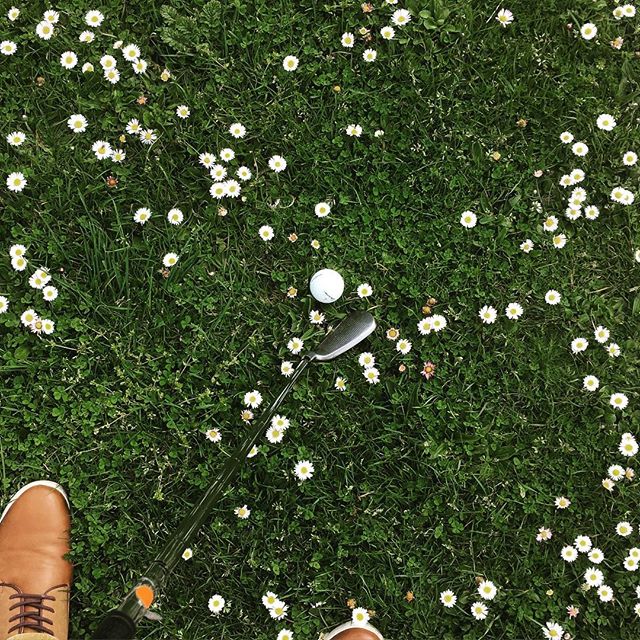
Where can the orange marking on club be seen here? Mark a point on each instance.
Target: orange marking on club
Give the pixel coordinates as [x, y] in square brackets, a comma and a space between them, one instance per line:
[145, 594]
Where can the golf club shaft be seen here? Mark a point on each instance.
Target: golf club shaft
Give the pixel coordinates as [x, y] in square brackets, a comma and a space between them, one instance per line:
[132, 607]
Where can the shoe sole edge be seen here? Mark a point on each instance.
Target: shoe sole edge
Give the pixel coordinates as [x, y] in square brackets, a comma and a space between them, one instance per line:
[350, 625]
[37, 483]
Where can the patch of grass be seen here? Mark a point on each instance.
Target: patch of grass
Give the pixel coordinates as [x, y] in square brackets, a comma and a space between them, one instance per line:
[420, 485]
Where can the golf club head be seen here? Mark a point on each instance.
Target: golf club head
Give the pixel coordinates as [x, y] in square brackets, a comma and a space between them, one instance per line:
[350, 332]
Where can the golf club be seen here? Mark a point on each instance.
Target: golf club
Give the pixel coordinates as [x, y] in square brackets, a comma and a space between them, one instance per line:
[120, 623]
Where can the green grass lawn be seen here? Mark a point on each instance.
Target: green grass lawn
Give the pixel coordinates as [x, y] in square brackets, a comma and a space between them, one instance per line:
[420, 485]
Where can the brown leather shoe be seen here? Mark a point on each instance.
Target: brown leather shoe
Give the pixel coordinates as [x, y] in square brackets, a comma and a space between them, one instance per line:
[35, 579]
[349, 631]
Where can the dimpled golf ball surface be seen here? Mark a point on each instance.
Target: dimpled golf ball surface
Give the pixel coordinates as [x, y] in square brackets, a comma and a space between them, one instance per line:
[326, 285]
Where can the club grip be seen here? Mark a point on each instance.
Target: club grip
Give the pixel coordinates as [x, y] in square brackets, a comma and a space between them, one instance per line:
[115, 626]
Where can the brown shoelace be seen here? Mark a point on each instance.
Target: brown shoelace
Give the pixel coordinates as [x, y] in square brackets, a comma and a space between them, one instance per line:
[30, 616]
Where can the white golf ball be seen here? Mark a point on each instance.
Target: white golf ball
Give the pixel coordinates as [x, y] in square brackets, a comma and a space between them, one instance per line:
[326, 285]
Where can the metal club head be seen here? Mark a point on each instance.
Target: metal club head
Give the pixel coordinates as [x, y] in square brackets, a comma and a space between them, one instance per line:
[350, 332]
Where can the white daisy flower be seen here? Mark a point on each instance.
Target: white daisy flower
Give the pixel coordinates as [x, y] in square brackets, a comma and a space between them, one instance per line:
[4, 304]
[504, 17]
[277, 163]
[28, 317]
[44, 30]
[237, 130]
[579, 344]
[550, 224]
[133, 127]
[552, 297]
[279, 610]
[387, 33]
[605, 593]
[559, 241]
[580, 149]
[243, 173]
[553, 631]
[366, 359]
[148, 136]
[304, 470]
[569, 553]
[372, 375]
[252, 399]
[19, 263]
[583, 544]
[347, 40]
[112, 75]
[354, 130]
[295, 345]
[424, 326]
[591, 212]
[16, 138]
[487, 590]
[139, 66]
[187, 554]
[400, 17]
[616, 472]
[606, 122]
[601, 334]
[213, 435]
[142, 215]
[322, 209]
[448, 598]
[182, 111]
[266, 232]
[68, 59]
[403, 346]
[206, 159]
[479, 610]
[170, 259]
[595, 555]
[360, 616]
[566, 137]
[130, 52]
[340, 383]
[590, 383]
[364, 290]
[290, 63]
[369, 55]
[101, 149]
[16, 182]
[270, 599]
[593, 577]
[286, 368]
[315, 317]
[488, 314]
[468, 219]
[8, 47]
[233, 188]
[216, 604]
[562, 503]
[618, 401]
[589, 31]
[513, 311]
[93, 18]
[49, 293]
[629, 158]
[175, 216]
[527, 246]
[242, 512]
[48, 326]
[13, 14]
[17, 250]
[613, 350]
[227, 154]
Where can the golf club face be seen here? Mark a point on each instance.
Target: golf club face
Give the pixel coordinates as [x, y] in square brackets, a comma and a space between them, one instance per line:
[350, 332]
